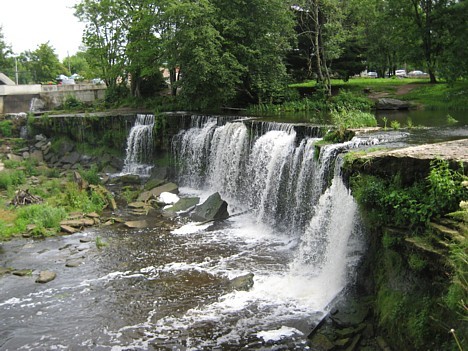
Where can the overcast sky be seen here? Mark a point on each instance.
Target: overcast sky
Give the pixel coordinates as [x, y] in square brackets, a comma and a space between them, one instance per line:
[29, 23]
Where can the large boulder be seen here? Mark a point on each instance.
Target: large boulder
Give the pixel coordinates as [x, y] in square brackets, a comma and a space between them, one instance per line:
[391, 104]
[184, 204]
[214, 208]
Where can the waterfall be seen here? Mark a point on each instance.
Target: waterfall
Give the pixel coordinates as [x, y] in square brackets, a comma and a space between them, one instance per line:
[140, 146]
[265, 168]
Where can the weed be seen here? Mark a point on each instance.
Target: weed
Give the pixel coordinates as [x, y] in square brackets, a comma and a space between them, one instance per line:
[395, 125]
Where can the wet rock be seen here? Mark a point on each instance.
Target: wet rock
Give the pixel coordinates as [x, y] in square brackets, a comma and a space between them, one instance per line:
[214, 208]
[78, 223]
[137, 205]
[155, 192]
[129, 179]
[320, 342]
[351, 315]
[244, 282]
[391, 104]
[86, 239]
[22, 272]
[68, 229]
[4, 270]
[153, 183]
[46, 276]
[75, 262]
[184, 204]
[136, 224]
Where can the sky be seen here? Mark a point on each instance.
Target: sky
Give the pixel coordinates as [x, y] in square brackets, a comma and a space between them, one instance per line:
[29, 23]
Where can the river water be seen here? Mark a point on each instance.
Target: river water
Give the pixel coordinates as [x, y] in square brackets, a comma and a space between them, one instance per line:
[168, 286]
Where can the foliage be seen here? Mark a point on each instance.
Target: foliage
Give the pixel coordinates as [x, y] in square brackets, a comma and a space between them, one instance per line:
[6, 128]
[46, 218]
[413, 206]
[72, 103]
[346, 118]
[9, 178]
[91, 175]
[395, 125]
[44, 64]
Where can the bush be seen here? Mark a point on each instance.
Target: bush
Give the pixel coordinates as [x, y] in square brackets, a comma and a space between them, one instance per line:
[10, 178]
[6, 128]
[45, 217]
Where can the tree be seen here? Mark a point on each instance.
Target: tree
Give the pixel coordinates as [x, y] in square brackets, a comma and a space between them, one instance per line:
[105, 36]
[7, 63]
[321, 23]
[452, 63]
[44, 64]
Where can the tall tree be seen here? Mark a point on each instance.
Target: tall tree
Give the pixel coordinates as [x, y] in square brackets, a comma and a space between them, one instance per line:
[44, 64]
[321, 22]
[105, 36]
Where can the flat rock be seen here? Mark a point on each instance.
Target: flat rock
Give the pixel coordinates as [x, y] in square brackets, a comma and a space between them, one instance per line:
[46, 276]
[67, 229]
[22, 272]
[78, 223]
[136, 224]
[75, 262]
[138, 205]
[155, 192]
[184, 204]
[391, 104]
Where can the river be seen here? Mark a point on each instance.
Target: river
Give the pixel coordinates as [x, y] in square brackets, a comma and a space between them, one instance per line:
[168, 286]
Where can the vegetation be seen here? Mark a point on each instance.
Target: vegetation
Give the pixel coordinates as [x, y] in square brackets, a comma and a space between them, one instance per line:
[413, 249]
[61, 196]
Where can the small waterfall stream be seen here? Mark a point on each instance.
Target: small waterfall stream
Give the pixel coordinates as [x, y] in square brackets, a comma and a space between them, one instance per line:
[140, 146]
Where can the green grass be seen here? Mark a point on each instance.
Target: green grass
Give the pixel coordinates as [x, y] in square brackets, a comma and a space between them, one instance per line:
[440, 96]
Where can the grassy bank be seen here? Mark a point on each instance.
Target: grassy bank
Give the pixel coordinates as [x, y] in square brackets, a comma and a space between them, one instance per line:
[440, 96]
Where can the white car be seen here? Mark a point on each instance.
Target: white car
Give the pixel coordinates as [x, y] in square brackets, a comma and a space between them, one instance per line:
[372, 74]
[400, 73]
[416, 73]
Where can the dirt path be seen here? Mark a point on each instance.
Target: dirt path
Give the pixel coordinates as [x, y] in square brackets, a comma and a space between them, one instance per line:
[405, 89]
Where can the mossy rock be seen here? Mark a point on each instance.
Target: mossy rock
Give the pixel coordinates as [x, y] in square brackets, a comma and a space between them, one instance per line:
[184, 204]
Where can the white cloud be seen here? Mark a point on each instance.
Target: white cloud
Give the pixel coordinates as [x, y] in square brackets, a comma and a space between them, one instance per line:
[29, 23]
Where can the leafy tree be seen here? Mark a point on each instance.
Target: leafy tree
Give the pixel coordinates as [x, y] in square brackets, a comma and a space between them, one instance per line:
[44, 64]
[105, 36]
[7, 63]
[453, 64]
[321, 23]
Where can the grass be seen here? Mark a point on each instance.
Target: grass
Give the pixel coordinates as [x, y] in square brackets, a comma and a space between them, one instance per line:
[440, 96]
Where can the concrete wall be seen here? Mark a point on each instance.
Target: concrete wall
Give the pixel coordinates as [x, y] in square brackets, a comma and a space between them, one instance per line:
[17, 98]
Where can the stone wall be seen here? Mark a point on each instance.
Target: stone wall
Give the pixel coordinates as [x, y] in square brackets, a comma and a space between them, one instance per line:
[18, 98]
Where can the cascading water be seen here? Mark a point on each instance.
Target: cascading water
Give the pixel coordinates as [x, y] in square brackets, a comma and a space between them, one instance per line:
[139, 146]
[285, 183]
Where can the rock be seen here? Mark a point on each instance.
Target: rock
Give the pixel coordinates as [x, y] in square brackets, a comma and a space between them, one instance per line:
[92, 215]
[78, 179]
[78, 223]
[40, 137]
[214, 208]
[391, 104]
[155, 192]
[129, 179]
[14, 157]
[243, 282]
[45, 277]
[22, 272]
[351, 315]
[184, 204]
[4, 270]
[71, 158]
[321, 343]
[136, 224]
[74, 262]
[153, 183]
[37, 156]
[138, 205]
[86, 239]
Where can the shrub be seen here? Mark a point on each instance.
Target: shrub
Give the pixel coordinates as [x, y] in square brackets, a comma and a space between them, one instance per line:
[6, 128]
[10, 178]
[45, 217]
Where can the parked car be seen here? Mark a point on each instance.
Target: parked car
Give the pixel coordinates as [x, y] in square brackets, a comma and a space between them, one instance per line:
[416, 73]
[372, 74]
[97, 81]
[400, 73]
